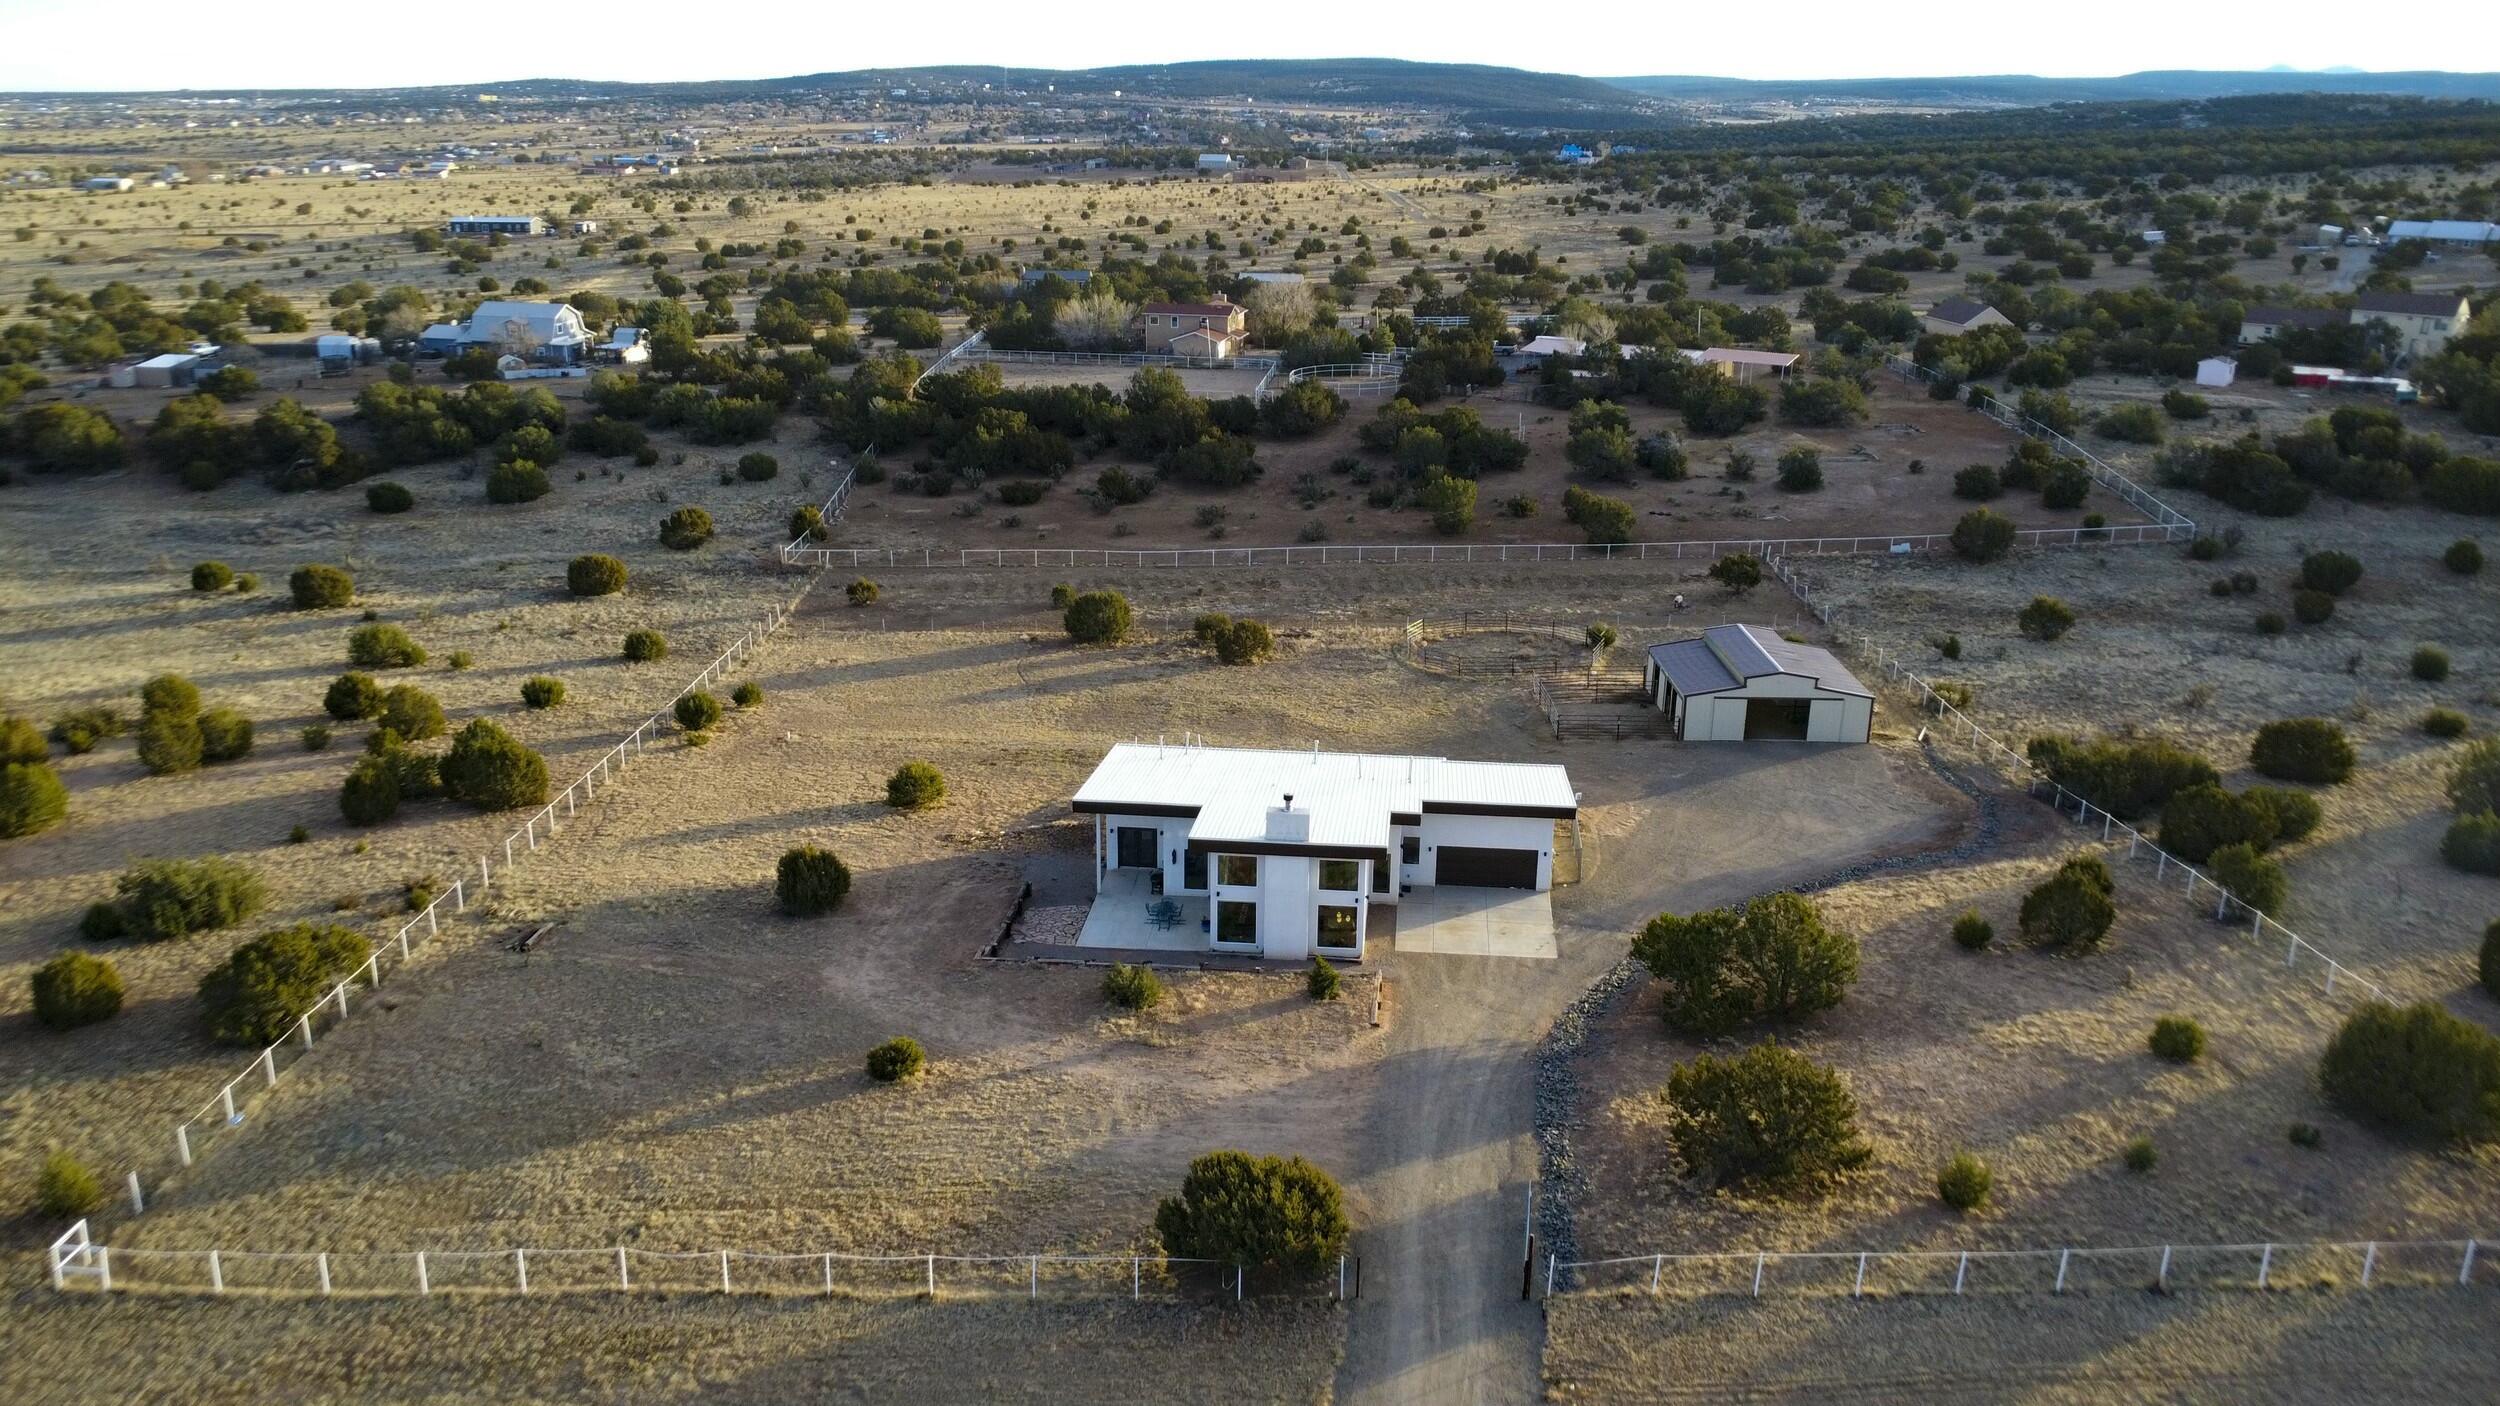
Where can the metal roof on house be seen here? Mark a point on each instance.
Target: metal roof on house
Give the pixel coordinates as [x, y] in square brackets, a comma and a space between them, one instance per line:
[1725, 656]
[2269, 316]
[1193, 309]
[546, 321]
[1745, 356]
[1554, 346]
[2411, 304]
[1351, 799]
[1958, 311]
[2446, 231]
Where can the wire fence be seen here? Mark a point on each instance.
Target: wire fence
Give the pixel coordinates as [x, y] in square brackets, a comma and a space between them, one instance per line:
[228, 1109]
[2365, 1264]
[1958, 728]
[2125, 488]
[77, 1264]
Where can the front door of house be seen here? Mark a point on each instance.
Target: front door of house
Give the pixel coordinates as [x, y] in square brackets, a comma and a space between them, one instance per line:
[1137, 847]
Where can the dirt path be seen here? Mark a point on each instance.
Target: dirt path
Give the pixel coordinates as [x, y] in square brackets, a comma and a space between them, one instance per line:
[1450, 1155]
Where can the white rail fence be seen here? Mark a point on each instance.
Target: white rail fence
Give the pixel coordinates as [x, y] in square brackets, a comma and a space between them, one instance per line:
[77, 1264]
[960, 351]
[836, 503]
[1448, 553]
[2125, 488]
[2366, 1264]
[2196, 886]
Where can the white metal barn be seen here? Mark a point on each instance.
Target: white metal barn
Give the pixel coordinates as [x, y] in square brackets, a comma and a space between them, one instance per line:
[1743, 683]
[1285, 854]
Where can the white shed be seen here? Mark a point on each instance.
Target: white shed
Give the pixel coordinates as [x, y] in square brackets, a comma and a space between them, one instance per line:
[1743, 683]
[2217, 371]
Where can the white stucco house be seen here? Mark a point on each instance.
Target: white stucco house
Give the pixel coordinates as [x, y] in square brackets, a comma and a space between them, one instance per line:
[1743, 683]
[1285, 855]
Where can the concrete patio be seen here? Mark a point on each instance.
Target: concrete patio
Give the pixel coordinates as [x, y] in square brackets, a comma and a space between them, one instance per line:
[1471, 922]
[1118, 917]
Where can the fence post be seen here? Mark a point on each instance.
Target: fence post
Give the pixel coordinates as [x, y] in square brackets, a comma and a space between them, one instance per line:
[424, 1285]
[459, 897]
[2265, 1264]
[521, 1268]
[182, 1142]
[1960, 1271]
[269, 1071]
[1237, 1285]
[138, 1202]
[1033, 1278]
[1137, 1277]
[1859, 1288]
[303, 1027]
[2062, 1257]
[2369, 1261]
[2161, 1277]
[2465, 1272]
[1758, 1262]
[104, 1265]
[933, 1278]
[828, 1274]
[321, 1263]
[1657, 1272]
[624, 1276]
[216, 1274]
[724, 1271]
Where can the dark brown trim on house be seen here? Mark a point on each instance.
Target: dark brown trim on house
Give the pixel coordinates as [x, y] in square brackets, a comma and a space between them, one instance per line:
[1400, 817]
[1284, 847]
[1521, 812]
[1126, 808]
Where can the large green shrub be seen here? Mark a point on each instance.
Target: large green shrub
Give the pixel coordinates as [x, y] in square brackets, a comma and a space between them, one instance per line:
[1774, 960]
[1983, 535]
[2177, 1038]
[2463, 557]
[171, 695]
[316, 587]
[685, 529]
[2331, 572]
[1739, 572]
[2430, 664]
[383, 646]
[2046, 618]
[1972, 931]
[2202, 819]
[915, 785]
[2071, 911]
[22, 741]
[2474, 779]
[224, 735]
[1275, 1214]
[897, 1059]
[541, 691]
[255, 998]
[74, 989]
[490, 769]
[758, 467]
[2473, 843]
[808, 525]
[66, 1188]
[2251, 877]
[697, 711]
[411, 712]
[811, 881]
[352, 696]
[157, 899]
[747, 695]
[1099, 617]
[2313, 750]
[170, 743]
[518, 481]
[32, 799]
[211, 576]
[1965, 1182]
[861, 592]
[387, 497]
[80, 729]
[1133, 988]
[1245, 642]
[644, 646]
[2127, 778]
[370, 794]
[594, 574]
[2418, 1072]
[2488, 967]
[2312, 607]
[1768, 1118]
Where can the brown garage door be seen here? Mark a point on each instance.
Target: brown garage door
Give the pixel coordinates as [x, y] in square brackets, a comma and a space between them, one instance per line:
[1486, 868]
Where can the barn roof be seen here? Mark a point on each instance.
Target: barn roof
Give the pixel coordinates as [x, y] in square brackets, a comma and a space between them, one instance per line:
[1726, 656]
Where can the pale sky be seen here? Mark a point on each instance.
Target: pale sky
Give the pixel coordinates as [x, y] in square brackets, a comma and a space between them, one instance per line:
[158, 44]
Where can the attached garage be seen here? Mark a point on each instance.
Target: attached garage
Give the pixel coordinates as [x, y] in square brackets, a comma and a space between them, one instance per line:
[1743, 683]
[1463, 866]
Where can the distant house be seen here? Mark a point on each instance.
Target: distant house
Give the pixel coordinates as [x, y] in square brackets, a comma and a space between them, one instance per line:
[585, 226]
[473, 225]
[2263, 322]
[1273, 276]
[1034, 278]
[1744, 363]
[625, 346]
[2425, 321]
[541, 332]
[1956, 316]
[1745, 683]
[2217, 371]
[2466, 232]
[107, 183]
[441, 339]
[1214, 161]
[1554, 346]
[1215, 329]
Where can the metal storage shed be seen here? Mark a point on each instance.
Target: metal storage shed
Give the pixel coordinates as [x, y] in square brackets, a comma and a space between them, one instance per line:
[1743, 683]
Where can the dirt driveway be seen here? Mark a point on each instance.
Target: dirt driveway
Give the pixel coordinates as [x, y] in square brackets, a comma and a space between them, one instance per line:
[1445, 1149]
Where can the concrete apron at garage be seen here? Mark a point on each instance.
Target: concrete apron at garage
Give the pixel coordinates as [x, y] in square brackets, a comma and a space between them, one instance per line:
[1473, 922]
